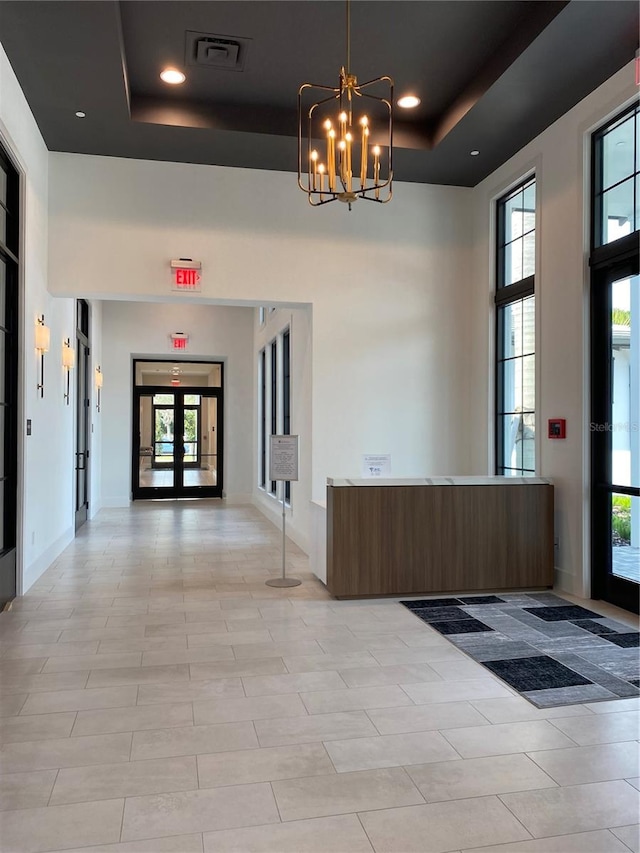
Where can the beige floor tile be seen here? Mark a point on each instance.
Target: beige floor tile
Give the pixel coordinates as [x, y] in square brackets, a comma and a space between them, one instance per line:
[264, 685]
[174, 844]
[235, 638]
[504, 738]
[599, 763]
[361, 643]
[193, 740]
[26, 790]
[340, 834]
[615, 706]
[480, 688]
[478, 777]
[142, 644]
[254, 651]
[263, 765]
[92, 662]
[29, 638]
[424, 654]
[355, 699]
[77, 634]
[462, 670]
[252, 708]
[80, 700]
[268, 666]
[415, 639]
[371, 753]
[422, 718]
[601, 728]
[319, 796]
[11, 704]
[139, 675]
[184, 629]
[515, 709]
[580, 808]
[600, 841]
[318, 663]
[65, 752]
[132, 719]
[191, 691]
[48, 650]
[129, 779]
[199, 811]
[440, 827]
[34, 830]
[39, 727]
[30, 666]
[629, 835]
[370, 676]
[188, 655]
[315, 728]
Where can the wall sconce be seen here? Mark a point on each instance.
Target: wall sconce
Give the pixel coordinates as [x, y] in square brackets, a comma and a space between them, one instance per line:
[43, 339]
[68, 362]
[99, 378]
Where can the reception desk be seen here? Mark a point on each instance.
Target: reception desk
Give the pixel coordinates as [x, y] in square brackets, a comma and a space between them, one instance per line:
[442, 534]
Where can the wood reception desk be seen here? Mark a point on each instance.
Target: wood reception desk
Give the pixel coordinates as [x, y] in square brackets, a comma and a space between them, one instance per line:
[443, 534]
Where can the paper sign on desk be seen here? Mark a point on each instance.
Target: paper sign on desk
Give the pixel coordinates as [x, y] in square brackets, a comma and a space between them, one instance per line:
[284, 457]
[376, 465]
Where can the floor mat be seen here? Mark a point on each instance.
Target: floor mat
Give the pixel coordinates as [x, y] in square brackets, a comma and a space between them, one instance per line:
[550, 651]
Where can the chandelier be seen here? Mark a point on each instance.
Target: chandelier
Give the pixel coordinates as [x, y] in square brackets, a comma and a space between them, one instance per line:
[345, 138]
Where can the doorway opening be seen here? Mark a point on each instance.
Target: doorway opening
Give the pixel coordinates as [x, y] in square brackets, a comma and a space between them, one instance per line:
[83, 403]
[177, 429]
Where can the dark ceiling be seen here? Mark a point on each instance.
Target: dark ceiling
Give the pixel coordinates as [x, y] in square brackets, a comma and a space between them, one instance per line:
[491, 75]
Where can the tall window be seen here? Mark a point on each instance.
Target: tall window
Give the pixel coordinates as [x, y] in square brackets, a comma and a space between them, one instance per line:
[262, 423]
[616, 179]
[274, 400]
[515, 316]
[286, 397]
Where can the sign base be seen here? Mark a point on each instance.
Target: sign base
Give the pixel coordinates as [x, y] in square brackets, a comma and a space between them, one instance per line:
[282, 582]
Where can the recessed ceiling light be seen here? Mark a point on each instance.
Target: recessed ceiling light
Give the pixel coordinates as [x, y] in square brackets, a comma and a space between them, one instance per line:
[80, 114]
[474, 153]
[173, 76]
[408, 102]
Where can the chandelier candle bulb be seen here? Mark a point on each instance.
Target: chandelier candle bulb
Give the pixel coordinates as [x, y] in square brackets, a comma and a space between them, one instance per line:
[314, 161]
[321, 175]
[376, 169]
[349, 141]
[331, 158]
[342, 118]
[342, 145]
[363, 159]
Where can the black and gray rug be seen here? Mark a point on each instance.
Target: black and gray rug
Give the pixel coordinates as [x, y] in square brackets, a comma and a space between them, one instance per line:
[550, 651]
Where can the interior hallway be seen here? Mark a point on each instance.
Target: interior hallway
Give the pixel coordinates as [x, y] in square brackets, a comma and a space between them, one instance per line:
[157, 696]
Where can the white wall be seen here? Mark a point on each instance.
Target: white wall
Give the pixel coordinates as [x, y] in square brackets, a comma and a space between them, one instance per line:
[560, 159]
[389, 287]
[95, 418]
[46, 457]
[299, 321]
[142, 329]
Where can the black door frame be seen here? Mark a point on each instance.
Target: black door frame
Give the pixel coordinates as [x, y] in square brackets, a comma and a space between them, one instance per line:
[608, 264]
[177, 491]
[11, 332]
[83, 404]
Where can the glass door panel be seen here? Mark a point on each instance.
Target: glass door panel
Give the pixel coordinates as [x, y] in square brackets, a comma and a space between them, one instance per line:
[156, 451]
[615, 435]
[201, 443]
[625, 428]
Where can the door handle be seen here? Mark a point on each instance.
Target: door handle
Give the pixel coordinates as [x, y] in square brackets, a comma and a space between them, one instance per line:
[79, 466]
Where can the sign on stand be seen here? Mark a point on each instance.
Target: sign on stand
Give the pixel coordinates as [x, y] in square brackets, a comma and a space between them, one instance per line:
[283, 466]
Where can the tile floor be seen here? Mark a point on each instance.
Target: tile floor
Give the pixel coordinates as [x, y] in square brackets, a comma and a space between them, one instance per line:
[157, 697]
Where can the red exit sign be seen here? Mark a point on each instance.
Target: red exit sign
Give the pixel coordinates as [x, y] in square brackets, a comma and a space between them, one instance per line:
[186, 275]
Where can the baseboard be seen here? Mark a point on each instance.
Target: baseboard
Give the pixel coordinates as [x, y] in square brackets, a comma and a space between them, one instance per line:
[31, 573]
[275, 517]
[115, 503]
[566, 582]
[238, 500]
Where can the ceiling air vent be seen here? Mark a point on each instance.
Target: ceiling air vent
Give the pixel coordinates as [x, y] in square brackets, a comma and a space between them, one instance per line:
[226, 53]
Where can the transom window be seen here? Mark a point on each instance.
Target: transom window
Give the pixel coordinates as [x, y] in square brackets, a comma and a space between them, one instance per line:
[616, 163]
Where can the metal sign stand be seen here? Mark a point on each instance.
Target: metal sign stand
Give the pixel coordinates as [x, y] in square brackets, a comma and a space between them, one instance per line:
[284, 467]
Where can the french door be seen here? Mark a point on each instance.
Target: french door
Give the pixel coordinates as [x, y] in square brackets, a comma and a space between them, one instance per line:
[177, 442]
[615, 433]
